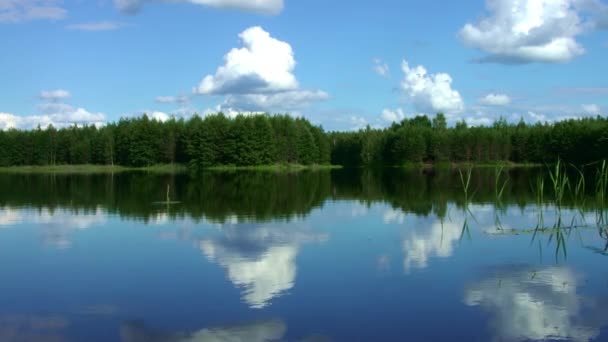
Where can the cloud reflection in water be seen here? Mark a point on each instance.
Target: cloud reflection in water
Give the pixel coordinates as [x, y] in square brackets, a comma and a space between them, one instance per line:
[259, 259]
[528, 304]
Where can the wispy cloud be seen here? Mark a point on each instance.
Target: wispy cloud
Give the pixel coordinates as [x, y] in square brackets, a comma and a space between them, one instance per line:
[96, 26]
[16, 11]
[381, 68]
[271, 7]
[54, 95]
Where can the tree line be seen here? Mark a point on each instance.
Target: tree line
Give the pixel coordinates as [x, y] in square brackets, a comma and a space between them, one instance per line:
[422, 139]
[199, 142]
[218, 140]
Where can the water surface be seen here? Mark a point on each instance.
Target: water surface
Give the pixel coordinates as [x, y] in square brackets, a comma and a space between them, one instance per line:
[346, 255]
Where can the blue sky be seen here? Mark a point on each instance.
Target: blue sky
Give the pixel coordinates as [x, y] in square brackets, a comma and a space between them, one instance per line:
[341, 64]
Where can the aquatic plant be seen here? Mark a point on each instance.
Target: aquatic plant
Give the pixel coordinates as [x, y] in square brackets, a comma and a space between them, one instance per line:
[498, 192]
[466, 184]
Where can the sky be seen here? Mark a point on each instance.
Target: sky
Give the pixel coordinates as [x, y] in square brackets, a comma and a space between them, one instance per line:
[341, 64]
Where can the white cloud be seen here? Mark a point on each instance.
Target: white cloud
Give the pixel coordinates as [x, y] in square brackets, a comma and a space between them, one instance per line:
[495, 100]
[536, 305]
[62, 115]
[258, 77]
[591, 109]
[172, 99]
[277, 102]
[52, 112]
[430, 92]
[96, 26]
[390, 115]
[54, 95]
[381, 68]
[263, 65]
[15, 11]
[257, 6]
[523, 31]
[484, 114]
[535, 117]
[159, 116]
[358, 122]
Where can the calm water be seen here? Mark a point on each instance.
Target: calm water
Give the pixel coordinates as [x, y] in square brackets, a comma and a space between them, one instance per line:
[315, 256]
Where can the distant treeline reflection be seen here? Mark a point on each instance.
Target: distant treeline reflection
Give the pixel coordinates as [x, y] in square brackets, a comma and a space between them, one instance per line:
[261, 196]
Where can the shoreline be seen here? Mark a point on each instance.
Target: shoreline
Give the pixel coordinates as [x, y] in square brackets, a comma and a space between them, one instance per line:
[180, 168]
[163, 168]
[90, 169]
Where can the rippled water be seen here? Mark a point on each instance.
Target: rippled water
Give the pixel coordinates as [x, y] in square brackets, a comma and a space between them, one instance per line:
[342, 256]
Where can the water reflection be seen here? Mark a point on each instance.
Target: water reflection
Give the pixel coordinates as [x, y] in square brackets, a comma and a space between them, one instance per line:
[56, 226]
[9, 217]
[530, 304]
[261, 259]
[250, 232]
[260, 331]
[263, 196]
[33, 328]
[438, 240]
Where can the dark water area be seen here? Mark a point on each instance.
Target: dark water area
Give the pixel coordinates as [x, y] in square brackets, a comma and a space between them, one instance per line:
[341, 255]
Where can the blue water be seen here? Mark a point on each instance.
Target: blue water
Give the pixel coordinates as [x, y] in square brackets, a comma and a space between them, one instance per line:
[346, 271]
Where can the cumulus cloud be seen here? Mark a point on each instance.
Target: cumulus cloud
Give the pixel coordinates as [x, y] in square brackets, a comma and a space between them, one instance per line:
[495, 100]
[257, 6]
[52, 112]
[529, 304]
[430, 92]
[591, 109]
[258, 77]
[54, 95]
[390, 115]
[75, 116]
[159, 116]
[485, 114]
[357, 122]
[381, 68]
[523, 31]
[263, 65]
[96, 26]
[15, 11]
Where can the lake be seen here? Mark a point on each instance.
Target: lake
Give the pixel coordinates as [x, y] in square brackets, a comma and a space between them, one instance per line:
[341, 255]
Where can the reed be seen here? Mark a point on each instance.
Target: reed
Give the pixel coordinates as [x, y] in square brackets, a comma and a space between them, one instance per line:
[499, 188]
[465, 181]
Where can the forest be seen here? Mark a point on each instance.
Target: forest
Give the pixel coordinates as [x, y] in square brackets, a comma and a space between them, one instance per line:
[424, 140]
[215, 140]
[218, 140]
